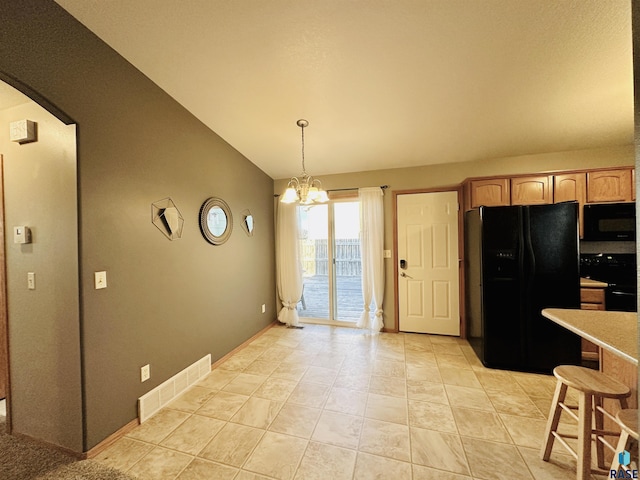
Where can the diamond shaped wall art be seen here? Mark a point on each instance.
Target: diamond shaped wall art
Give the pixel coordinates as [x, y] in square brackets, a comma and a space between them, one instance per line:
[167, 218]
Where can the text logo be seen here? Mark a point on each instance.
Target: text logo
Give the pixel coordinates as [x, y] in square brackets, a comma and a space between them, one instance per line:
[624, 459]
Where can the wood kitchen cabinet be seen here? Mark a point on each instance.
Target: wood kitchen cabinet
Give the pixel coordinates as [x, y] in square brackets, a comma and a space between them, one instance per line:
[610, 185]
[592, 186]
[626, 372]
[490, 192]
[569, 187]
[532, 190]
[591, 299]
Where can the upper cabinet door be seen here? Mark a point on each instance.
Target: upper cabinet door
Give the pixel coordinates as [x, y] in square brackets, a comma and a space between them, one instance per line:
[490, 192]
[610, 186]
[532, 190]
[569, 187]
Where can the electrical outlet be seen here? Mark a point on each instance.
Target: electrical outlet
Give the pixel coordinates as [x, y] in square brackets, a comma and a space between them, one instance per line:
[145, 373]
[264, 308]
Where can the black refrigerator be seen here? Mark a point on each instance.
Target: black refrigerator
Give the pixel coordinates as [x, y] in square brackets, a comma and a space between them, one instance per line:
[520, 260]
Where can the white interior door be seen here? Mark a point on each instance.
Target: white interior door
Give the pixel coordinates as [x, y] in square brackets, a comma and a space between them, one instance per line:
[428, 286]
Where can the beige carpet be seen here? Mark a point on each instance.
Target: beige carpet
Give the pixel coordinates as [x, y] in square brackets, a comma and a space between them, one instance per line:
[24, 460]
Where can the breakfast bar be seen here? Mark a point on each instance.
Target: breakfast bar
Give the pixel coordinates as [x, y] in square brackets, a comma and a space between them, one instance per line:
[616, 333]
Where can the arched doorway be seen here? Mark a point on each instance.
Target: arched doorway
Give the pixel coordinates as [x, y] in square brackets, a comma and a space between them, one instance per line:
[38, 189]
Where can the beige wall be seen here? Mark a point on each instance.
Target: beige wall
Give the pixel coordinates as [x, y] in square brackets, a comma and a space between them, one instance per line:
[437, 176]
[168, 303]
[44, 338]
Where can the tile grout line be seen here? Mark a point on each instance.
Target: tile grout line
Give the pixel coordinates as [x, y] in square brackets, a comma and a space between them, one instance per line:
[322, 409]
[389, 351]
[241, 468]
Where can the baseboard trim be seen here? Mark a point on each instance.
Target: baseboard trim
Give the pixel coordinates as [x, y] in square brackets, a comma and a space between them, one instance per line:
[243, 345]
[111, 439]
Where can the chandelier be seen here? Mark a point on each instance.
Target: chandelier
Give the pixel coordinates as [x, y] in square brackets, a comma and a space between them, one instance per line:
[305, 189]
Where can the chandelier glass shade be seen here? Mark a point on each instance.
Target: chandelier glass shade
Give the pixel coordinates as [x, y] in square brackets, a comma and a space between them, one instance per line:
[304, 189]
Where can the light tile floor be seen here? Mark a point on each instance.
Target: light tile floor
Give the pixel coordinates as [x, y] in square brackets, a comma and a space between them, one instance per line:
[337, 403]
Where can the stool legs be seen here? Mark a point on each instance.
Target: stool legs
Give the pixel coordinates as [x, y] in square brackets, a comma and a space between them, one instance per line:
[628, 421]
[553, 420]
[622, 445]
[599, 425]
[585, 411]
[592, 388]
[586, 407]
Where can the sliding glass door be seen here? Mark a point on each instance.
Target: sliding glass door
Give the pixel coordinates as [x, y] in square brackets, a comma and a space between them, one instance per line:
[332, 268]
[314, 235]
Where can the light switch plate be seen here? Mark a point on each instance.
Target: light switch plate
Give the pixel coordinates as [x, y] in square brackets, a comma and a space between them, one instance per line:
[100, 280]
[21, 234]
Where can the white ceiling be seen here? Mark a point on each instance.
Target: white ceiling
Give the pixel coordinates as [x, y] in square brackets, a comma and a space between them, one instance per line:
[384, 83]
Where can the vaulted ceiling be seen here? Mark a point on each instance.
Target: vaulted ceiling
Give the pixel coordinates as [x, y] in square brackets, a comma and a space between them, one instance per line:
[384, 83]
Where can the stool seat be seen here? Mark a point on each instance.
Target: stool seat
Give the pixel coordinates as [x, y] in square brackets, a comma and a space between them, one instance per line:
[592, 387]
[591, 382]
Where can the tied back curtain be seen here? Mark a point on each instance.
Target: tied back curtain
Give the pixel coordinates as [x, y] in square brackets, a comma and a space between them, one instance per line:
[288, 265]
[372, 245]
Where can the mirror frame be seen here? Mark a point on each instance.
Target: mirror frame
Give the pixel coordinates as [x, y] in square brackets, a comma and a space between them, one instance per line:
[204, 227]
[245, 226]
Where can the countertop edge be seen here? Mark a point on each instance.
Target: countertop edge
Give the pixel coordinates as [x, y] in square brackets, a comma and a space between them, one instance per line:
[590, 283]
[553, 315]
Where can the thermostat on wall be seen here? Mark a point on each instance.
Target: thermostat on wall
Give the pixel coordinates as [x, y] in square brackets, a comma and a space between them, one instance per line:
[22, 131]
[21, 235]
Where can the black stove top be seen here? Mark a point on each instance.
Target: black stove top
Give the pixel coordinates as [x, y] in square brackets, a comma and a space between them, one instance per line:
[611, 268]
[618, 270]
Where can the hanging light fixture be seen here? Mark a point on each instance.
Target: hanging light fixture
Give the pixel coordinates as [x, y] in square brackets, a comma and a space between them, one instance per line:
[305, 189]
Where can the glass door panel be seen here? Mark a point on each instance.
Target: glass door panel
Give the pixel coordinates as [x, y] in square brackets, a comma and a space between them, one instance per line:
[347, 271]
[314, 253]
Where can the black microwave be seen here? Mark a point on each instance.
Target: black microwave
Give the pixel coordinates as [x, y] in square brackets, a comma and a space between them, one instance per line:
[610, 221]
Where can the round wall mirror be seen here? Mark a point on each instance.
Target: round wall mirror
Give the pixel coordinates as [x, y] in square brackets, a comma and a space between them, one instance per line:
[216, 221]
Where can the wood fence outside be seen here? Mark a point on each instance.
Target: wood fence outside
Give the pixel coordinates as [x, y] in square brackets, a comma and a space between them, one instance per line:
[315, 257]
[348, 273]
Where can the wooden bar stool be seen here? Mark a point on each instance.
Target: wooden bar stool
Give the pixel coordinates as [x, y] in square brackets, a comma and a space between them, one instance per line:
[592, 386]
[628, 421]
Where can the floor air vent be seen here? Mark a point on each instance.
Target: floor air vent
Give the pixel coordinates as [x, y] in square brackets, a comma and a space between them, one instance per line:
[160, 396]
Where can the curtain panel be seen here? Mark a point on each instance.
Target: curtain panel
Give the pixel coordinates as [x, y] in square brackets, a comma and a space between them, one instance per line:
[372, 245]
[288, 264]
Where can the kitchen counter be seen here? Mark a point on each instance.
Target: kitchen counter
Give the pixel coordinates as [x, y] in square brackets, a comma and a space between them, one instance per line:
[617, 335]
[589, 283]
[616, 332]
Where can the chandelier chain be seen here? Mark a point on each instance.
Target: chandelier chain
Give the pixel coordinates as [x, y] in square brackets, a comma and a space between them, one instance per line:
[304, 170]
[305, 189]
